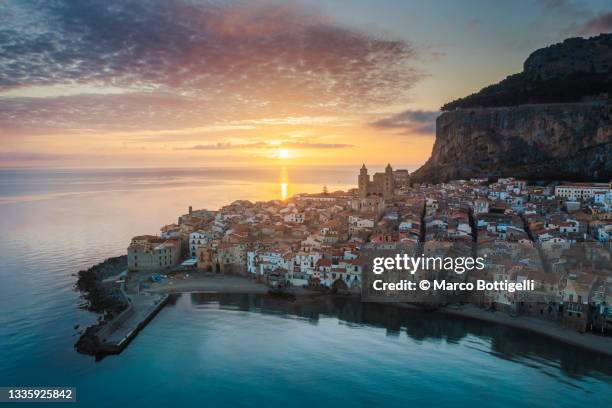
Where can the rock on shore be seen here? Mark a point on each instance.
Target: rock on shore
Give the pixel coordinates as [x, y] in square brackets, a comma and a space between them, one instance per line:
[101, 297]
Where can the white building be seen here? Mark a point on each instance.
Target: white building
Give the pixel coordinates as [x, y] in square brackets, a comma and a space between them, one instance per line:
[262, 262]
[581, 191]
[198, 239]
[357, 224]
[480, 206]
[295, 217]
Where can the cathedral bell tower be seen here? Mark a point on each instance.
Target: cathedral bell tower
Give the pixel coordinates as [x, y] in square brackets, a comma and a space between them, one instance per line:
[389, 182]
[363, 180]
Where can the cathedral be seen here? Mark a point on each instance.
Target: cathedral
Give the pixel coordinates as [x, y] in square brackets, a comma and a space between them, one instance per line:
[382, 184]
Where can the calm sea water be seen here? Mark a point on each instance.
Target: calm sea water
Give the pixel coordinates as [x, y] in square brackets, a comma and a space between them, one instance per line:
[242, 350]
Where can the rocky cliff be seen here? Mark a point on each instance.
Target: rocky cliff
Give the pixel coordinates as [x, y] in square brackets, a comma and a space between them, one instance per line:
[499, 132]
[552, 141]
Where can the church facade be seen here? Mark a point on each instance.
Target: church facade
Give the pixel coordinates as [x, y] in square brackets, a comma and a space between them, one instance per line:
[381, 184]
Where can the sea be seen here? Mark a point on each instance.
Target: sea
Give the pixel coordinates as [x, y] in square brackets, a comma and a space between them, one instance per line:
[206, 349]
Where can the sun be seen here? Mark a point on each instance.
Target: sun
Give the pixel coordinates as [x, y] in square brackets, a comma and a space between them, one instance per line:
[283, 153]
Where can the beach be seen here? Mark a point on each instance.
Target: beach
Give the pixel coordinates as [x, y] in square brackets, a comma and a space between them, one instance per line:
[200, 282]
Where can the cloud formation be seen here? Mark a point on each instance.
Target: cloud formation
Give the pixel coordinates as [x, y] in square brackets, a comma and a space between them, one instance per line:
[263, 145]
[601, 23]
[186, 60]
[410, 121]
[9, 157]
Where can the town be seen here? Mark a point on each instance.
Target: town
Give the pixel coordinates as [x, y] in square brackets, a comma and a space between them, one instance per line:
[557, 235]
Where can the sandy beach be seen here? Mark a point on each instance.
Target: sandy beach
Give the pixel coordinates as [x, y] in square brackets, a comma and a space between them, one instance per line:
[197, 282]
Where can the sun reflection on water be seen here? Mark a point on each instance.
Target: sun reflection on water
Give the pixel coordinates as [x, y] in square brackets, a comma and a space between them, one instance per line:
[284, 183]
[283, 187]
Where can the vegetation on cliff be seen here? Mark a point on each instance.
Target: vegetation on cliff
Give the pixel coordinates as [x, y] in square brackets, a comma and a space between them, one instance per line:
[575, 70]
[553, 121]
[519, 89]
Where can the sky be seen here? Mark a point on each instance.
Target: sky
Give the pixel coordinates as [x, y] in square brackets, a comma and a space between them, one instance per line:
[194, 83]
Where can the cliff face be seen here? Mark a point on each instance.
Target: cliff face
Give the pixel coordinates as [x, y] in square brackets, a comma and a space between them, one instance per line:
[551, 121]
[546, 141]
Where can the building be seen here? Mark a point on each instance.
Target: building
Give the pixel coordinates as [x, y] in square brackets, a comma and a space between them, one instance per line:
[581, 191]
[401, 177]
[357, 224]
[372, 204]
[150, 253]
[263, 262]
[198, 239]
[382, 184]
[575, 297]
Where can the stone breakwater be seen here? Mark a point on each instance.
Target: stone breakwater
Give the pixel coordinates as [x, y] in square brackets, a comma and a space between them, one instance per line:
[570, 141]
[99, 296]
[123, 315]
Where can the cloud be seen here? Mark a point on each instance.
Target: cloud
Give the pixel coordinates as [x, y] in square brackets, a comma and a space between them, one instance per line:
[308, 145]
[190, 61]
[29, 157]
[601, 23]
[565, 7]
[262, 145]
[411, 121]
[225, 146]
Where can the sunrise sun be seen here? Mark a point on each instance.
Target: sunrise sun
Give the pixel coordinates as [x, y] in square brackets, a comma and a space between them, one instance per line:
[283, 153]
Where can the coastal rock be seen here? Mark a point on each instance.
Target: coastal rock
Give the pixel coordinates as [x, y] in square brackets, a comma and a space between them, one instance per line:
[552, 141]
[100, 297]
[552, 121]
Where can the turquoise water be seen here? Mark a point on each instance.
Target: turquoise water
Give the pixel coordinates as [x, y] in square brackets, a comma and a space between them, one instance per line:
[211, 350]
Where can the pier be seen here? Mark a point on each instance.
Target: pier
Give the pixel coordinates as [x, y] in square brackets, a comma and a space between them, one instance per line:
[112, 336]
[120, 331]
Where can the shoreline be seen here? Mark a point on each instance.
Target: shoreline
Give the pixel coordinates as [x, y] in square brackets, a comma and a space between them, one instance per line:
[586, 341]
[197, 282]
[224, 284]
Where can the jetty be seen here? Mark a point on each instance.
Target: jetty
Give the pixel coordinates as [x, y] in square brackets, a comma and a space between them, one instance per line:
[112, 336]
[120, 331]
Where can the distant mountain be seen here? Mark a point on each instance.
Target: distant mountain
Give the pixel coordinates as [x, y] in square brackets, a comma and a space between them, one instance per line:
[551, 121]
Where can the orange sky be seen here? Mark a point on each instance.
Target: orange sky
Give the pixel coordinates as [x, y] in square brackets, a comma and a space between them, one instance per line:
[344, 141]
[181, 84]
